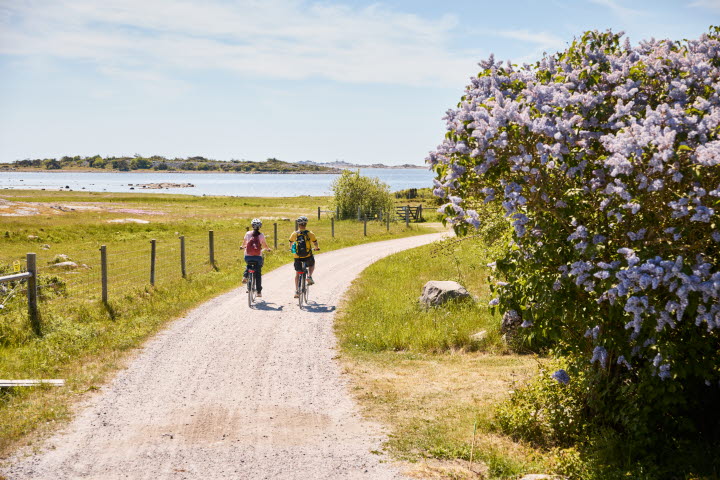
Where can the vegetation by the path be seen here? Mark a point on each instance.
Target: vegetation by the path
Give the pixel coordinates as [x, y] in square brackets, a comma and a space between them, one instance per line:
[159, 163]
[419, 372]
[605, 158]
[82, 341]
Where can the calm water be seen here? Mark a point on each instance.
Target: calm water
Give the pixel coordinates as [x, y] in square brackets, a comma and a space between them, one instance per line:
[265, 185]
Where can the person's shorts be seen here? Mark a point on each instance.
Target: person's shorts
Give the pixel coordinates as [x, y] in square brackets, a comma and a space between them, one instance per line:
[309, 261]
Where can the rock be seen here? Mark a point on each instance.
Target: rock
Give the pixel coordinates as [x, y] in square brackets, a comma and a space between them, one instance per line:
[128, 220]
[437, 292]
[540, 476]
[45, 247]
[64, 265]
[479, 336]
[510, 321]
[33, 237]
[285, 219]
[61, 258]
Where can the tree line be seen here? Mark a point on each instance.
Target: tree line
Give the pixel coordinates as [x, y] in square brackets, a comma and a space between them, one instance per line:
[156, 162]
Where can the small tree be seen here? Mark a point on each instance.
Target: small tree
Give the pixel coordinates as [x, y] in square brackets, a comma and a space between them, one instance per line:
[353, 191]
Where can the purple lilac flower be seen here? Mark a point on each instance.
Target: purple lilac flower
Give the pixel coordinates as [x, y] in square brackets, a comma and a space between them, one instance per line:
[561, 376]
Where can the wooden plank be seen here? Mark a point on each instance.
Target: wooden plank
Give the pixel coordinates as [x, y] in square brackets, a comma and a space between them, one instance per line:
[16, 276]
[31, 383]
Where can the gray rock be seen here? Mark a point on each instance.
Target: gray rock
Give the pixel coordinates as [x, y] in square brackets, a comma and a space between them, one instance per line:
[510, 321]
[479, 336]
[438, 292]
[45, 247]
[64, 265]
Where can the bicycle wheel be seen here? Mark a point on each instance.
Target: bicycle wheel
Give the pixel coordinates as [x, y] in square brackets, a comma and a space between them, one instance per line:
[301, 290]
[251, 288]
[306, 292]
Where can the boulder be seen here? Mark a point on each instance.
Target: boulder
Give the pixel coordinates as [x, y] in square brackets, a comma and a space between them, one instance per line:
[45, 247]
[510, 322]
[64, 265]
[437, 292]
[479, 336]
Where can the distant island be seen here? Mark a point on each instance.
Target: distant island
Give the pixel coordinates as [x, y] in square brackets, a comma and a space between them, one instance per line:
[190, 164]
[345, 165]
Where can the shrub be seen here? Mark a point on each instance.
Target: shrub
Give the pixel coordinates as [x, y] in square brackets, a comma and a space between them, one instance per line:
[353, 191]
[605, 158]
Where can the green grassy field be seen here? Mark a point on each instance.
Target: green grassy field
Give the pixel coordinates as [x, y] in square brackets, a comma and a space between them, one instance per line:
[418, 371]
[84, 342]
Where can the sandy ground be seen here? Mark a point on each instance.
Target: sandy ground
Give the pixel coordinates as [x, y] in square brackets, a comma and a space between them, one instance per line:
[233, 393]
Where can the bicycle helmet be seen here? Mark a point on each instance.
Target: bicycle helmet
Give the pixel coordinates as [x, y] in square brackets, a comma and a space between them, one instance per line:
[256, 223]
[302, 219]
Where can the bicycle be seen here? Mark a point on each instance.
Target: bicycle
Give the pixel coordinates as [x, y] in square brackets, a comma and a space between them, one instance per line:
[303, 287]
[251, 283]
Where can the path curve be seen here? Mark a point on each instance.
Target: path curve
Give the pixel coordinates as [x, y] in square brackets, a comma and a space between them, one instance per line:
[229, 393]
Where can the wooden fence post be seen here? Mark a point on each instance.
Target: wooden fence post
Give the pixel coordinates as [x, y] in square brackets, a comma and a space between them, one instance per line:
[104, 273]
[296, 227]
[211, 240]
[407, 216]
[182, 256]
[153, 250]
[275, 234]
[332, 227]
[318, 213]
[419, 213]
[32, 295]
[365, 226]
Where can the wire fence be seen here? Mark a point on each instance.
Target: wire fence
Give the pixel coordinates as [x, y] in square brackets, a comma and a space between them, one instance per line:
[90, 272]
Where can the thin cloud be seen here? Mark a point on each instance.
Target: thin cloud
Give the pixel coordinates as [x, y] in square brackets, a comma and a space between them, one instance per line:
[288, 39]
[619, 10]
[709, 4]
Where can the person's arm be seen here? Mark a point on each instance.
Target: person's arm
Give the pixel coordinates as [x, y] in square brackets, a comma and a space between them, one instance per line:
[315, 242]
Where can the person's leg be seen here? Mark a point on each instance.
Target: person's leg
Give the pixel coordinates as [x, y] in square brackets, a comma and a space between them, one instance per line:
[311, 269]
[258, 275]
[245, 273]
[298, 268]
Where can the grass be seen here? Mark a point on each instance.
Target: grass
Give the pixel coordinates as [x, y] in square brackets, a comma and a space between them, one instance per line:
[84, 342]
[418, 372]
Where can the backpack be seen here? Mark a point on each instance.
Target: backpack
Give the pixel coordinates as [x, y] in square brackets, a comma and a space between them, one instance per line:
[254, 243]
[302, 244]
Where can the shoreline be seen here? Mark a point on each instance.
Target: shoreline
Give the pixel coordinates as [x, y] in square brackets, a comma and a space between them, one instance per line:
[336, 171]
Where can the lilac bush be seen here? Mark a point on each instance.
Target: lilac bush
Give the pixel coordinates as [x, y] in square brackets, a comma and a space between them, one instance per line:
[605, 158]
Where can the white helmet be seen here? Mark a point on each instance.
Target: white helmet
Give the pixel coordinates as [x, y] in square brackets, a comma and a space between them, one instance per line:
[256, 223]
[302, 219]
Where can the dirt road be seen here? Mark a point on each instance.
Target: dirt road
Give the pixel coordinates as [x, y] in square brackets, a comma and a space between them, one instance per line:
[230, 393]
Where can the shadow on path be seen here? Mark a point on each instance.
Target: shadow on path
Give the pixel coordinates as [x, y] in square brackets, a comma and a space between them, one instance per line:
[267, 307]
[318, 308]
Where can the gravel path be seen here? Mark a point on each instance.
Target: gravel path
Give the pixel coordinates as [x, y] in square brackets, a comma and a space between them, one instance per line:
[226, 392]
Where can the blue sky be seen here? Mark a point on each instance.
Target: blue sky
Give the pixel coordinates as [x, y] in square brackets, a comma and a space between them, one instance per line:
[363, 82]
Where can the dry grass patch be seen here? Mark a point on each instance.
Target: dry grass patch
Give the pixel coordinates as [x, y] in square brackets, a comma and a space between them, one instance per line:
[431, 404]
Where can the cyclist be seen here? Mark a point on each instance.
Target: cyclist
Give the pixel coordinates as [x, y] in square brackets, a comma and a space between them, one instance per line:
[254, 244]
[300, 244]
